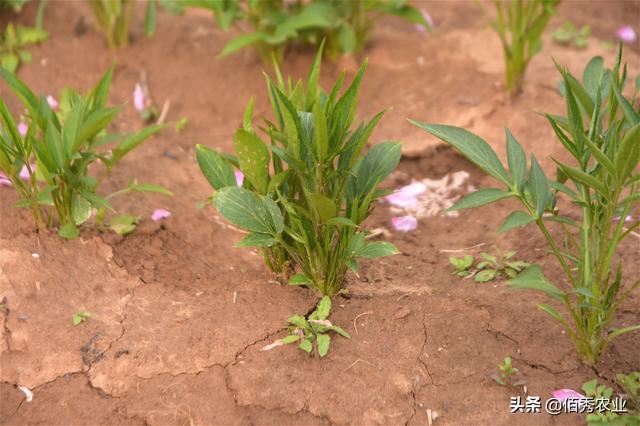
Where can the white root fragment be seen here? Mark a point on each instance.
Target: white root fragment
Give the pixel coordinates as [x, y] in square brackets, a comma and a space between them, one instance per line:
[28, 394]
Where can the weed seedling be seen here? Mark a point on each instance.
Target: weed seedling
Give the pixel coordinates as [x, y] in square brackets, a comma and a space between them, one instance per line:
[305, 331]
[602, 135]
[307, 191]
[627, 402]
[13, 44]
[462, 265]
[568, 34]
[80, 317]
[494, 266]
[520, 24]
[507, 375]
[49, 164]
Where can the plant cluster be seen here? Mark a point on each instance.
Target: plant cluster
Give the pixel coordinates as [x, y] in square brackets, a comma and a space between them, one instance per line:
[49, 162]
[307, 191]
[602, 135]
[14, 42]
[520, 24]
[507, 374]
[492, 267]
[569, 35]
[630, 384]
[278, 24]
[80, 317]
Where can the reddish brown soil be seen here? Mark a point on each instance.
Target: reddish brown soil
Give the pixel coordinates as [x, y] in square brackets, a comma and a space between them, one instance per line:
[180, 316]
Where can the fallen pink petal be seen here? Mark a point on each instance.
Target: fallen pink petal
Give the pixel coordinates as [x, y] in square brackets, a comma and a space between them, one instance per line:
[627, 34]
[23, 128]
[406, 196]
[53, 103]
[159, 214]
[138, 98]
[404, 223]
[239, 177]
[562, 394]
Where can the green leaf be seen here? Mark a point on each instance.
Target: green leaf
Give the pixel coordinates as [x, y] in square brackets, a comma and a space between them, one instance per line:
[323, 309]
[376, 165]
[292, 338]
[133, 141]
[533, 279]
[81, 209]
[341, 221]
[26, 96]
[248, 117]
[628, 156]
[300, 279]
[9, 61]
[242, 41]
[256, 239]
[340, 331]
[323, 342]
[480, 198]
[485, 275]
[150, 19]
[69, 231]
[517, 161]
[325, 208]
[539, 187]
[253, 156]
[306, 345]
[245, 209]
[149, 187]
[515, 220]
[123, 224]
[347, 38]
[471, 146]
[377, 249]
[582, 178]
[216, 169]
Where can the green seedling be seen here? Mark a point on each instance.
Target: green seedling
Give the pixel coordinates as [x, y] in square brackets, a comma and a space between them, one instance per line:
[277, 24]
[568, 34]
[627, 401]
[507, 375]
[462, 265]
[307, 191]
[315, 328]
[495, 266]
[181, 124]
[58, 151]
[13, 44]
[520, 24]
[80, 317]
[601, 133]
[114, 16]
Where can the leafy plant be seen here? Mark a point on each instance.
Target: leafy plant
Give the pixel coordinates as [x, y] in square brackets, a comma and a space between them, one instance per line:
[493, 266]
[113, 17]
[507, 374]
[305, 331]
[602, 135]
[462, 265]
[13, 44]
[630, 383]
[57, 152]
[80, 317]
[520, 24]
[278, 24]
[570, 35]
[306, 193]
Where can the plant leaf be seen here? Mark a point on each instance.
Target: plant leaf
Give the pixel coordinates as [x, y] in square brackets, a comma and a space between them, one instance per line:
[215, 168]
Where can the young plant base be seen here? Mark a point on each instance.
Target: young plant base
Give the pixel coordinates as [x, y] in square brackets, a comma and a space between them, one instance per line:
[305, 193]
[602, 134]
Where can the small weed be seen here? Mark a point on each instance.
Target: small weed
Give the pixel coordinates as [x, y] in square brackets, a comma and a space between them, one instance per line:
[13, 43]
[495, 266]
[628, 401]
[507, 375]
[81, 316]
[568, 34]
[462, 265]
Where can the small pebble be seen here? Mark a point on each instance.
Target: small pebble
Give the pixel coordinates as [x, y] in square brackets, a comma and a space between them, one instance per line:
[35, 255]
[23, 317]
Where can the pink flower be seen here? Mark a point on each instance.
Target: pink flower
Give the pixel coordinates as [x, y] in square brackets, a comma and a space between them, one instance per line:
[138, 98]
[159, 214]
[23, 128]
[53, 103]
[239, 177]
[563, 394]
[626, 34]
[24, 171]
[404, 223]
[4, 180]
[406, 197]
[427, 18]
